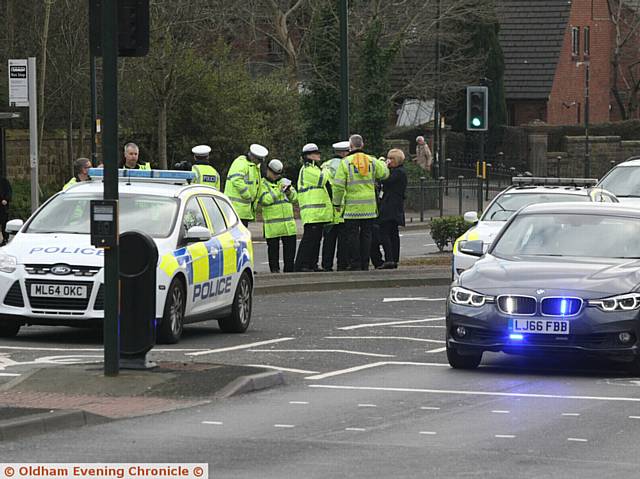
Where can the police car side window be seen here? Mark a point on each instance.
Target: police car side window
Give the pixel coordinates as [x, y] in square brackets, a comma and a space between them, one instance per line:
[228, 211]
[215, 215]
[192, 216]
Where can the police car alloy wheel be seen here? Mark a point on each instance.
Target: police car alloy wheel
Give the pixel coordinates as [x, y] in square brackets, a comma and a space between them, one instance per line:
[172, 322]
[238, 321]
[460, 361]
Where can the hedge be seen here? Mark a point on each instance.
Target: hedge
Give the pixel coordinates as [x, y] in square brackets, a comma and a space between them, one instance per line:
[447, 229]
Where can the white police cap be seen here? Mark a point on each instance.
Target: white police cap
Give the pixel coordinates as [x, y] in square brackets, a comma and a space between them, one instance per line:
[341, 146]
[258, 151]
[310, 148]
[276, 166]
[201, 150]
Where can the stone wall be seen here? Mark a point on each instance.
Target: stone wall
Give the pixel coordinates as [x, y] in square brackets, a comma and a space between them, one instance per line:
[54, 165]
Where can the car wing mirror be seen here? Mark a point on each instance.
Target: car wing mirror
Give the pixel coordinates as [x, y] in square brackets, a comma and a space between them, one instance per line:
[472, 248]
[14, 226]
[471, 217]
[197, 233]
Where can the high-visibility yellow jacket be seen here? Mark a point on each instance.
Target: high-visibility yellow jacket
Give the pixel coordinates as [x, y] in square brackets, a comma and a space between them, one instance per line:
[277, 209]
[354, 185]
[139, 166]
[69, 183]
[243, 183]
[313, 197]
[330, 167]
[206, 175]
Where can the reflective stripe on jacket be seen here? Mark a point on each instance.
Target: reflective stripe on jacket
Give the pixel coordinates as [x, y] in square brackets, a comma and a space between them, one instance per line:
[242, 185]
[313, 197]
[206, 175]
[277, 209]
[354, 185]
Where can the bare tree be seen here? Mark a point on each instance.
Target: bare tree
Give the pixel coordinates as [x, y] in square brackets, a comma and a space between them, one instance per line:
[625, 60]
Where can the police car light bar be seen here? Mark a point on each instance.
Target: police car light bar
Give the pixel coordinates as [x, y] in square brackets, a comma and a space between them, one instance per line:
[159, 176]
[535, 181]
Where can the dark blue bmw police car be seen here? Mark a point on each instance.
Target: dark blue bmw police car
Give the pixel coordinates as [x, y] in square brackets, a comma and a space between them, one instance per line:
[558, 278]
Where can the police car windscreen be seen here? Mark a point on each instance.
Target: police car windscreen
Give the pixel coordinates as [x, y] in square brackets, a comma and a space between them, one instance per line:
[623, 181]
[577, 235]
[507, 204]
[69, 213]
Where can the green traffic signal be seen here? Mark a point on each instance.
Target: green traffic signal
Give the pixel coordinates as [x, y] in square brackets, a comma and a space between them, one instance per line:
[476, 122]
[477, 108]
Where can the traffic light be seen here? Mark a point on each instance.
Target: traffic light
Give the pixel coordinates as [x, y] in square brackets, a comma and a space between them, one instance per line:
[133, 27]
[477, 108]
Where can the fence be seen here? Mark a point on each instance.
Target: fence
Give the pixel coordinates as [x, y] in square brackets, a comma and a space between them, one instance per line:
[442, 197]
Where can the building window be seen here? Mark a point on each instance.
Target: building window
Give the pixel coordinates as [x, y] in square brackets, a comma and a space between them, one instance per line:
[587, 41]
[575, 41]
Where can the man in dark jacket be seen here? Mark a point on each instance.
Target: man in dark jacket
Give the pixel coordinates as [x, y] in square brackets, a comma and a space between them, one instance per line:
[5, 199]
[392, 208]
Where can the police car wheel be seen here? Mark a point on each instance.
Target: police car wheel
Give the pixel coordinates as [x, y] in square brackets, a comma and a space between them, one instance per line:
[171, 325]
[238, 321]
[9, 328]
[462, 361]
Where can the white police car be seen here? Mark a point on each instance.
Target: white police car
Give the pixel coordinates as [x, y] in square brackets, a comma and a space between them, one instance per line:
[525, 191]
[50, 274]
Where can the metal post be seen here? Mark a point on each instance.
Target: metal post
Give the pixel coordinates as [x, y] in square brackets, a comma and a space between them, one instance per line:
[587, 146]
[33, 134]
[460, 178]
[487, 181]
[422, 181]
[110, 150]
[441, 194]
[94, 111]
[447, 162]
[480, 182]
[344, 69]
[437, 154]
[558, 164]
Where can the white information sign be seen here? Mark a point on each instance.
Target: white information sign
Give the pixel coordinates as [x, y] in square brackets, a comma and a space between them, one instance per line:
[18, 83]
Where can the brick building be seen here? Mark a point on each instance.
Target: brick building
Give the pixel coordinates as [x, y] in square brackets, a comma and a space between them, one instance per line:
[546, 44]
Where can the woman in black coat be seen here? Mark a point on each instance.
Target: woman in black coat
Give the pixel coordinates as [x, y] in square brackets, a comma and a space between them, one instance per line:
[392, 208]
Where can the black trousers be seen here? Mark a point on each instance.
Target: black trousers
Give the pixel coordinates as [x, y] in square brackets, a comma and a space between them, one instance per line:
[245, 223]
[376, 243]
[334, 236]
[358, 233]
[390, 239]
[309, 249]
[288, 253]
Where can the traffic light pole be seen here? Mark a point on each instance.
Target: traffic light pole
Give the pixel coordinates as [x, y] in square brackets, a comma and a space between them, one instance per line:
[344, 69]
[110, 150]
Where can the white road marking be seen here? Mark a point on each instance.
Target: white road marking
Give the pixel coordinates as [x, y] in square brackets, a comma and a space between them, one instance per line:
[505, 436]
[414, 234]
[403, 338]
[500, 412]
[477, 393]
[240, 346]
[357, 315]
[367, 405]
[429, 408]
[634, 417]
[428, 433]
[574, 414]
[298, 402]
[390, 323]
[284, 426]
[358, 429]
[340, 372]
[438, 350]
[162, 350]
[397, 300]
[9, 375]
[430, 244]
[418, 326]
[577, 439]
[343, 351]
[278, 368]
[213, 423]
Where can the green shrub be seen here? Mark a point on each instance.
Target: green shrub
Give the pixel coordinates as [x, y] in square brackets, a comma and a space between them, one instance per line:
[20, 206]
[447, 229]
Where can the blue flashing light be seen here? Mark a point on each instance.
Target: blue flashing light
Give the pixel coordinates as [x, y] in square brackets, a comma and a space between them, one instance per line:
[516, 337]
[563, 307]
[150, 174]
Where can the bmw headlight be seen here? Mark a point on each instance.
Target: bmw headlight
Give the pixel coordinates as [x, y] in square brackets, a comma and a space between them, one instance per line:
[623, 302]
[8, 263]
[466, 297]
